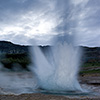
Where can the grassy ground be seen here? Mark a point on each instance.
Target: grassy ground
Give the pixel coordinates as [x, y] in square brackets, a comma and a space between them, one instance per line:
[92, 64]
[90, 68]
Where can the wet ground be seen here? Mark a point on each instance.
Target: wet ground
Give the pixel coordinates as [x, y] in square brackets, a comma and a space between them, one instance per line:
[22, 86]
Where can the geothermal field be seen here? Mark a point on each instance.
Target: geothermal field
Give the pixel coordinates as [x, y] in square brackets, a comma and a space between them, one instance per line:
[49, 49]
[80, 81]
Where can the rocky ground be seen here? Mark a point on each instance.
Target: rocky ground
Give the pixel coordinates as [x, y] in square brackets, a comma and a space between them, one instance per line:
[39, 96]
[90, 82]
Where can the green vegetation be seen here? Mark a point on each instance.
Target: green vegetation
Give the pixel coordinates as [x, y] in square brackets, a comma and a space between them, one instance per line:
[9, 60]
[90, 71]
[90, 68]
[92, 64]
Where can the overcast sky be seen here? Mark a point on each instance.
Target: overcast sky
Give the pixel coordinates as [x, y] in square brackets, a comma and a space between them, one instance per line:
[24, 20]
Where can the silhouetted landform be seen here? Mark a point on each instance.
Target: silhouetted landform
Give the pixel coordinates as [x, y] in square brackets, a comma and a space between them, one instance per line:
[89, 53]
[12, 55]
[10, 48]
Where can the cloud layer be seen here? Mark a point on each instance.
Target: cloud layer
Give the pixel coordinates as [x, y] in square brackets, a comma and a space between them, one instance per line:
[24, 20]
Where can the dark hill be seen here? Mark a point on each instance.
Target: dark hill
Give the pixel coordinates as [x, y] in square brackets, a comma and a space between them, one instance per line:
[10, 48]
[90, 54]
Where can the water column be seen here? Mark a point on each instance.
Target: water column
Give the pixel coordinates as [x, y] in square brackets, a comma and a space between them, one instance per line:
[56, 69]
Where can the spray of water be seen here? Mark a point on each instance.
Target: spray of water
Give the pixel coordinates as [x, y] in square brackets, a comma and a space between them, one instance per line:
[56, 67]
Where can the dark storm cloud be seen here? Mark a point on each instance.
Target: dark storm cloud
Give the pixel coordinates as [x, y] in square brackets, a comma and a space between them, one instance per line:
[20, 14]
[88, 23]
[19, 5]
[13, 9]
[30, 18]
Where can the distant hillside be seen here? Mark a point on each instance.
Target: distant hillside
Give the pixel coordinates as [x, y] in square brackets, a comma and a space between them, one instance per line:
[10, 48]
[89, 54]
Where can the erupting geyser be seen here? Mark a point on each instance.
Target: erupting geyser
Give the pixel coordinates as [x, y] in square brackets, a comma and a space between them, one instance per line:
[56, 67]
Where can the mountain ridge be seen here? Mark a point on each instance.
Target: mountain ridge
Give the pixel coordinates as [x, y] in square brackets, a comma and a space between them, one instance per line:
[9, 47]
[89, 53]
